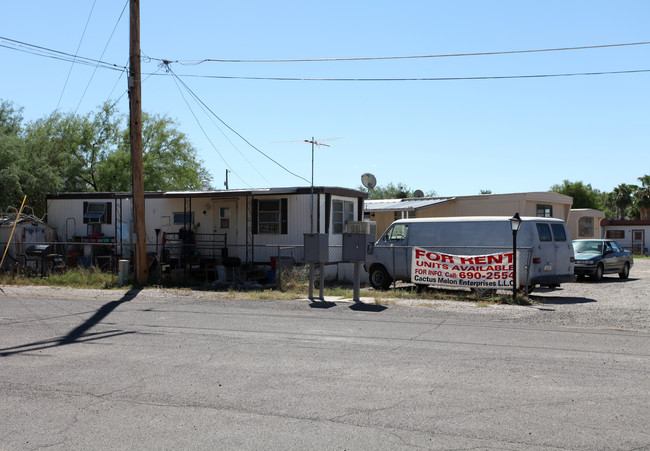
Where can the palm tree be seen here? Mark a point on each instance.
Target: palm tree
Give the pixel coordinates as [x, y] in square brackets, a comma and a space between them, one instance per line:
[623, 198]
[642, 197]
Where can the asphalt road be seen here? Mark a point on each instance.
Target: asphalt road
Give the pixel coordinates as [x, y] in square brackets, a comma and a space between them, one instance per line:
[140, 372]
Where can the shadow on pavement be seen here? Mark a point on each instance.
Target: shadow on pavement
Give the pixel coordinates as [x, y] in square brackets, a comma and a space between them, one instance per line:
[80, 333]
[321, 304]
[557, 300]
[361, 307]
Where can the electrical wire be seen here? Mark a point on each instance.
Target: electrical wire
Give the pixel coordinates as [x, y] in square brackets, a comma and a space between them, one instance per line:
[126, 90]
[176, 81]
[77, 52]
[232, 144]
[492, 77]
[24, 47]
[449, 55]
[54, 54]
[101, 56]
[115, 86]
[230, 128]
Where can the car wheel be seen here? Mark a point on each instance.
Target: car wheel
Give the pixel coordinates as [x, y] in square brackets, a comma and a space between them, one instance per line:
[379, 278]
[626, 271]
[598, 275]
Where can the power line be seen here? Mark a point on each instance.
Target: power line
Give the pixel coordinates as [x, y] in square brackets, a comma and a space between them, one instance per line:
[102, 55]
[77, 52]
[225, 136]
[54, 54]
[24, 47]
[376, 58]
[230, 128]
[491, 77]
[204, 132]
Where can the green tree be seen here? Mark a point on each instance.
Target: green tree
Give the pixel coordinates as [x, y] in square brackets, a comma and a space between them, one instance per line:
[584, 196]
[622, 197]
[12, 156]
[169, 161]
[11, 119]
[642, 197]
[69, 152]
[391, 191]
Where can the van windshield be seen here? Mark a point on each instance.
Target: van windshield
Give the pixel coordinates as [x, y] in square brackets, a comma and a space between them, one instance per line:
[396, 233]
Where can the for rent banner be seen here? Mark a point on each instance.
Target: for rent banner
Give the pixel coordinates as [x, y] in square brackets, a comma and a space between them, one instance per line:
[471, 271]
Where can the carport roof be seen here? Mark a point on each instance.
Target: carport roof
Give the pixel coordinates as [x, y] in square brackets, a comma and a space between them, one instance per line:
[409, 204]
[334, 190]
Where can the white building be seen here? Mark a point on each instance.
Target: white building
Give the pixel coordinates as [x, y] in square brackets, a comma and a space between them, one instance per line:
[252, 225]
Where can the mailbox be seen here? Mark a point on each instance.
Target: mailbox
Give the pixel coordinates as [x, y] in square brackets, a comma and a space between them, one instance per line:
[358, 242]
[358, 247]
[316, 248]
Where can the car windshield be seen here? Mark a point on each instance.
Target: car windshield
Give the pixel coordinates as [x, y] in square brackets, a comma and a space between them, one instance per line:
[588, 247]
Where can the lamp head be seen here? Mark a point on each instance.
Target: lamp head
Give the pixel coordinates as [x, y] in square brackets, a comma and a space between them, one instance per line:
[515, 222]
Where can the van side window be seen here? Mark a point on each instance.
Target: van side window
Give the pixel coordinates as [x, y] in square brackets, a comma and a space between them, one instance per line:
[558, 232]
[396, 233]
[544, 232]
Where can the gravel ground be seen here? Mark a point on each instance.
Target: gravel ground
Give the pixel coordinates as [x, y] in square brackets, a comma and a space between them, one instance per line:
[612, 303]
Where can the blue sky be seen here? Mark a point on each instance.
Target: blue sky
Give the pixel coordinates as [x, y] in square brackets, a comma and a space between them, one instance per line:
[453, 137]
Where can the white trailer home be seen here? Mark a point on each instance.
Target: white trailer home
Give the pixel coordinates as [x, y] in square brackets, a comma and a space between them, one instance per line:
[250, 225]
[632, 234]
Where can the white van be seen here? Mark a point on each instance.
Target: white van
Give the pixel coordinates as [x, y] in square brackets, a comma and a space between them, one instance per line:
[546, 254]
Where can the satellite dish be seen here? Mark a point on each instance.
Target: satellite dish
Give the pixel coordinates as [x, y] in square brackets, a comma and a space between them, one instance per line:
[418, 193]
[368, 180]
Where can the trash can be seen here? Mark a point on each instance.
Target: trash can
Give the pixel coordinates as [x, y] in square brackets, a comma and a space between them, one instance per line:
[123, 274]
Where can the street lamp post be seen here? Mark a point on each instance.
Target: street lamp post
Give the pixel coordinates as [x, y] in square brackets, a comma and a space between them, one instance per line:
[515, 223]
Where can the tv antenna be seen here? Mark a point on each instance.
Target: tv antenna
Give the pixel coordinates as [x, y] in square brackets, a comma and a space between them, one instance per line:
[314, 143]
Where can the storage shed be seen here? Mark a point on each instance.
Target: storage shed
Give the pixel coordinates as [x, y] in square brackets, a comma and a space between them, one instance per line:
[30, 231]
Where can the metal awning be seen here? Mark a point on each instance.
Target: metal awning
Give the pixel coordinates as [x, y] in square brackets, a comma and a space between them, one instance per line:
[410, 204]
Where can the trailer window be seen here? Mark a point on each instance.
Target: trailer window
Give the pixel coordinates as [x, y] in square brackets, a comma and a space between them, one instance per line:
[544, 232]
[558, 232]
[586, 226]
[97, 212]
[342, 213]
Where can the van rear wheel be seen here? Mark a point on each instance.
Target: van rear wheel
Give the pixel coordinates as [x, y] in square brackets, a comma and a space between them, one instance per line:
[379, 278]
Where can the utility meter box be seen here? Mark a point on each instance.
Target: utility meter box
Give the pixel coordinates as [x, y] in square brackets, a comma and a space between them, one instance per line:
[316, 247]
[358, 242]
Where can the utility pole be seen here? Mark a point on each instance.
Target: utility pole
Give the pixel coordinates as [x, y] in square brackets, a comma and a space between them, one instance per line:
[226, 183]
[135, 108]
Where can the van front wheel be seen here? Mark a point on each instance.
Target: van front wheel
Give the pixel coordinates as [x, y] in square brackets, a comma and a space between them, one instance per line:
[379, 278]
